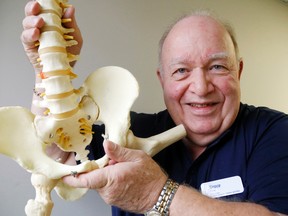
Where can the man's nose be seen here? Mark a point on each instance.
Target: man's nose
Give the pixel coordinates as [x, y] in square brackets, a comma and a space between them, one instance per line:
[200, 82]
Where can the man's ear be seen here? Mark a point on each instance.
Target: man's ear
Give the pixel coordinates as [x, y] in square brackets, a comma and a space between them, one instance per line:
[241, 65]
[160, 78]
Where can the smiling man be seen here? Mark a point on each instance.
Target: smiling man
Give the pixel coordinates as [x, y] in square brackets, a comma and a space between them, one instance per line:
[200, 75]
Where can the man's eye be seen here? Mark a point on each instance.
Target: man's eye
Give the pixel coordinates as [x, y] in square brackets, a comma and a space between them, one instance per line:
[180, 74]
[181, 70]
[218, 67]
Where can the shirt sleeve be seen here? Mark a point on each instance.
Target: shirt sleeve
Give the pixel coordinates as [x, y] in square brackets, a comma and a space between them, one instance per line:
[95, 148]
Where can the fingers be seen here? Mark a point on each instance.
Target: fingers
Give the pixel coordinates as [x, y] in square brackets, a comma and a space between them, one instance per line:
[32, 8]
[92, 180]
[118, 184]
[31, 25]
[31, 32]
[100, 178]
[118, 153]
[32, 22]
[29, 36]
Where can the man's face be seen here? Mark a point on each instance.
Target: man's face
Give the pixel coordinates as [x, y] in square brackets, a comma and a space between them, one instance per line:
[200, 78]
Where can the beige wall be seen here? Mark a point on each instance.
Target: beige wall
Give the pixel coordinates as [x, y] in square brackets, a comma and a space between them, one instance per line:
[126, 33]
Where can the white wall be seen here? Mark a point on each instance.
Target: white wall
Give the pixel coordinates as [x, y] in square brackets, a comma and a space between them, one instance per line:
[125, 33]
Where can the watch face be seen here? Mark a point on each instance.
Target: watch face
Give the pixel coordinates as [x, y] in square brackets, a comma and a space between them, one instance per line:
[153, 212]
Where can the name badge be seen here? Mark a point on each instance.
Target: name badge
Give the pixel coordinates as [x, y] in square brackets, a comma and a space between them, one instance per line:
[222, 187]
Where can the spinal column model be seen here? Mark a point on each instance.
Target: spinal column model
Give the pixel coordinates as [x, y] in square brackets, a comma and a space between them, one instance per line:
[106, 96]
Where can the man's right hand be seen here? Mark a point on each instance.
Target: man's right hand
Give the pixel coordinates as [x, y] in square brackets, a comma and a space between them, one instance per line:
[32, 24]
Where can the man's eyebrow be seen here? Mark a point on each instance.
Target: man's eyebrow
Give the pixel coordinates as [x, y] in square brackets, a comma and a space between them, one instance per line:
[220, 55]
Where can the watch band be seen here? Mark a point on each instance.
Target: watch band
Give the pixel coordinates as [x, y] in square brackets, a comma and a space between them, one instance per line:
[165, 199]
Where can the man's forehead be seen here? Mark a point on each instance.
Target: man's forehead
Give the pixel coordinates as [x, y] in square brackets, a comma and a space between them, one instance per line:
[195, 22]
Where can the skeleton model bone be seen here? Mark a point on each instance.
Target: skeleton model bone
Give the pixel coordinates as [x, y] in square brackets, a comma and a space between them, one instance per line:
[107, 96]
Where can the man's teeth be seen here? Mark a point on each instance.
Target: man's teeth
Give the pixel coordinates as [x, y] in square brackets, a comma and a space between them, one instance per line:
[200, 105]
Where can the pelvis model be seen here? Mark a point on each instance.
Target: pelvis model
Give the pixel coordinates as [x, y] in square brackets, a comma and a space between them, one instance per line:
[106, 96]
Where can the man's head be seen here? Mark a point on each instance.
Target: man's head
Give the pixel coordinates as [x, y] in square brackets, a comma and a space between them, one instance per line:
[199, 70]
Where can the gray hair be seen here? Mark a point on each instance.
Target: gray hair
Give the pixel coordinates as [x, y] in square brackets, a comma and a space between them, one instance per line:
[206, 13]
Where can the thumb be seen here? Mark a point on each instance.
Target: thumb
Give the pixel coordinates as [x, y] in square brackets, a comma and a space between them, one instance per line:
[118, 153]
[75, 50]
[70, 13]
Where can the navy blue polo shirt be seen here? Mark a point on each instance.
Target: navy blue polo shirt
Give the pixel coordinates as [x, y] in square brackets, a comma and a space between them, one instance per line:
[255, 148]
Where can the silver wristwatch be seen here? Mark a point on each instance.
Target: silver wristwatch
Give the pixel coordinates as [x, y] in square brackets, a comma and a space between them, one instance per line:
[161, 208]
[153, 212]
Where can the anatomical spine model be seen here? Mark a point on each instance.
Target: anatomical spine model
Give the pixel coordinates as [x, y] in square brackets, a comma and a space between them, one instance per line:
[106, 96]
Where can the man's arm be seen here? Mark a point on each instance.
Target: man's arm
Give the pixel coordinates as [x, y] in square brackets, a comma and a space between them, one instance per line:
[133, 182]
[189, 202]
